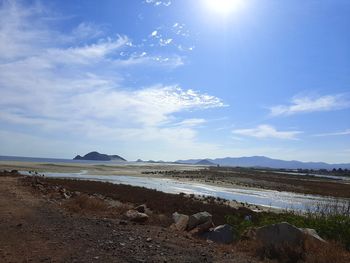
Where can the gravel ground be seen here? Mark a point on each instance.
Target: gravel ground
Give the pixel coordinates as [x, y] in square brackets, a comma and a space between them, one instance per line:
[37, 228]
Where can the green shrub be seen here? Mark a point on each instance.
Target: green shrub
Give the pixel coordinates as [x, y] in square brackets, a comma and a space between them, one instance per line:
[330, 227]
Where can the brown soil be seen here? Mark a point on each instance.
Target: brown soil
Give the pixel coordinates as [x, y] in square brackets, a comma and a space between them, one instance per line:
[38, 225]
[161, 203]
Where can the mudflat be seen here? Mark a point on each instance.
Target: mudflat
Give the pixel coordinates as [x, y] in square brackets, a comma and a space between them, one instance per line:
[222, 176]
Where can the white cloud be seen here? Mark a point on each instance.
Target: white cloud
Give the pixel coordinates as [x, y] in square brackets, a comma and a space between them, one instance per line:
[174, 35]
[191, 122]
[16, 37]
[165, 42]
[87, 31]
[346, 132]
[267, 131]
[85, 54]
[154, 33]
[55, 86]
[311, 104]
[158, 2]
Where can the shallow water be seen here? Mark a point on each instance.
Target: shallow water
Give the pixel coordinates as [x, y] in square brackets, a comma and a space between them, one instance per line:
[267, 198]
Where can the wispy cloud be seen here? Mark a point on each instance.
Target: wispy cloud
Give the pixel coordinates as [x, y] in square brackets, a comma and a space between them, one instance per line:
[191, 122]
[158, 2]
[346, 132]
[170, 36]
[267, 131]
[87, 31]
[73, 83]
[311, 104]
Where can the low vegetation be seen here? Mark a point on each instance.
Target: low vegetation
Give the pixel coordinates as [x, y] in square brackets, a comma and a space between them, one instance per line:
[331, 221]
[330, 252]
[84, 202]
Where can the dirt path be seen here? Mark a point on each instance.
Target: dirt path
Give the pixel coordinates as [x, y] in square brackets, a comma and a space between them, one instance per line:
[36, 229]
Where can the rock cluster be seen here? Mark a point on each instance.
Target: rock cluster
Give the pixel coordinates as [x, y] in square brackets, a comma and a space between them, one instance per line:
[201, 224]
[277, 235]
[59, 191]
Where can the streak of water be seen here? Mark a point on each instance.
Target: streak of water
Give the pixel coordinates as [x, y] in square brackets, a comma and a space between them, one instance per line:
[276, 199]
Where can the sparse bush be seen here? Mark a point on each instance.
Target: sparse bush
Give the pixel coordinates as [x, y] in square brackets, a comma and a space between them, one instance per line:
[86, 203]
[331, 223]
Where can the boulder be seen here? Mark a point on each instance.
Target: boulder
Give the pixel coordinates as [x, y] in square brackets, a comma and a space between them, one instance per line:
[136, 216]
[202, 228]
[180, 221]
[283, 234]
[198, 219]
[223, 234]
[312, 235]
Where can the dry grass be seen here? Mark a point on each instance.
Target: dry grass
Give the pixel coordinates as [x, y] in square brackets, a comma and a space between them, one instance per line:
[85, 203]
[330, 252]
[330, 208]
[160, 220]
[308, 253]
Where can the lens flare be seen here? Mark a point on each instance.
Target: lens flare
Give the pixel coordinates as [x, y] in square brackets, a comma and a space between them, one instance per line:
[224, 7]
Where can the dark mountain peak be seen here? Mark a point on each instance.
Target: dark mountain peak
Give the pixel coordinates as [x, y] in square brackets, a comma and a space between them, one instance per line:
[116, 157]
[78, 157]
[96, 156]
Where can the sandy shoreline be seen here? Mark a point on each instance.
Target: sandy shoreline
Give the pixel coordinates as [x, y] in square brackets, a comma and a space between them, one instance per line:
[135, 169]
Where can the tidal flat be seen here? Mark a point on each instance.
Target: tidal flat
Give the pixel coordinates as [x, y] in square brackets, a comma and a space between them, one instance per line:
[247, 186]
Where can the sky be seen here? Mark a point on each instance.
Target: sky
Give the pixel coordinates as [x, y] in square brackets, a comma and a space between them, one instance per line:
[176, 79]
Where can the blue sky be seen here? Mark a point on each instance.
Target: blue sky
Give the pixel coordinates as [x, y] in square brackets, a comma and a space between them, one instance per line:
[176, 79]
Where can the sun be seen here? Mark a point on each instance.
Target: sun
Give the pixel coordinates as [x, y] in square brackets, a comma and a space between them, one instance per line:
[223, 7]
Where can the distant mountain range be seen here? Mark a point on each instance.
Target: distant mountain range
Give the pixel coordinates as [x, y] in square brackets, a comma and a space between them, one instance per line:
[96, 156]
[262, 161]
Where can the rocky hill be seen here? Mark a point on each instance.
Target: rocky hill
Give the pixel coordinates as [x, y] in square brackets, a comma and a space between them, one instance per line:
[96, 156]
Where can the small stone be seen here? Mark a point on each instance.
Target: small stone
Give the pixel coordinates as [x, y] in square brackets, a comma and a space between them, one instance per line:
[141, 208]
[149, 239]
[136, 216]
[123, 222]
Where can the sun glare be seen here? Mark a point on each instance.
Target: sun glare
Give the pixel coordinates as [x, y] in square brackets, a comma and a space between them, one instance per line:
[224, 7]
